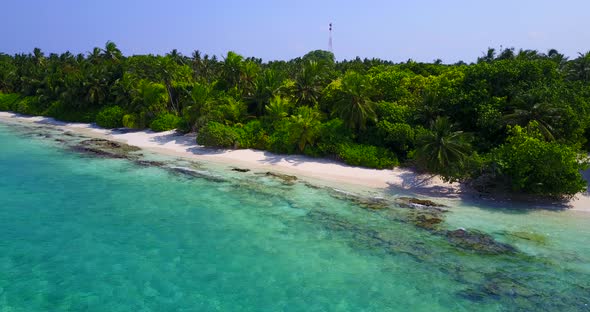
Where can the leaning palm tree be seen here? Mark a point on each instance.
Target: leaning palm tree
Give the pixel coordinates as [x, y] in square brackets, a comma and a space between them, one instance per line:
[354, 105]
[544, 113]
[442, 150]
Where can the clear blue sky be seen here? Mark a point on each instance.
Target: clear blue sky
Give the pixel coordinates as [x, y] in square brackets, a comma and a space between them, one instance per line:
[395, 30]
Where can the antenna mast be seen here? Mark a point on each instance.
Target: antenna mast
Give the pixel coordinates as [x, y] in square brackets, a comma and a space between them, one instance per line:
[330, 41]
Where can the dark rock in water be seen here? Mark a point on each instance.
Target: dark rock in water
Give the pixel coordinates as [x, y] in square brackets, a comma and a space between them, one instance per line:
[313, 186]
[529, 236]
[371, 202]
[428, 221]
[240, 169]
[149, 163]
[363, 236]
[477, 241]
[410, 202]
[195, 174]
[285, 177]
[106, 148]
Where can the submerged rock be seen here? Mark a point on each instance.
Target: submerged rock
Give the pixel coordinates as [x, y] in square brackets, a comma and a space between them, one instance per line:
[149, 163]
[411, 202]
[477, 241]
[289, 179]
[427, 220]
[195, 174]
[529, 236]
[106, 148]
[240, 169]
[371, 202]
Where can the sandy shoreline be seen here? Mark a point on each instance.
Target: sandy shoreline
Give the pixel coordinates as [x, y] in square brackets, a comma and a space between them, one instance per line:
[333, 173]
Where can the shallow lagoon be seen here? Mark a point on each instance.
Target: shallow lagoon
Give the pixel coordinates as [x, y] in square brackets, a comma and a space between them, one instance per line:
[83, 233]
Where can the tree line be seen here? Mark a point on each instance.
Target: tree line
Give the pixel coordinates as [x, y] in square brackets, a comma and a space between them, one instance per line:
[513, 120]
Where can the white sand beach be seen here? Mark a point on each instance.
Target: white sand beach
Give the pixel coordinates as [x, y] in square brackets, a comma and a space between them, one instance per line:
[331, 172]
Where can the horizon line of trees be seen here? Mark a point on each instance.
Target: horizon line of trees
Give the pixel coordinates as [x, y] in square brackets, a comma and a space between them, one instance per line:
[515, 119]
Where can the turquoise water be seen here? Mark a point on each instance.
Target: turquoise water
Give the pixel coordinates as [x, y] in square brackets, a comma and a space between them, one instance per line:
[86, 234]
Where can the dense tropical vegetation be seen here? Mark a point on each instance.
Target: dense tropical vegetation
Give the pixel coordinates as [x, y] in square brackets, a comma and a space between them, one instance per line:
[516, 118]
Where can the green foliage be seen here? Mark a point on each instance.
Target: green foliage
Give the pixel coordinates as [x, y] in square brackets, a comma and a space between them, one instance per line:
[165, 122]
[353, 104]
[533, 165]
[59, 111]
[215, 134]
[367, 156]
[403, 108]
[443, 150]
[393, 112]
[278, 108]
[110, 117]
[333, 133]
[304, 127]
[7, 101]
[254, 136]
[130, 121]
[281, 140]
[401, 137]
[28, 105]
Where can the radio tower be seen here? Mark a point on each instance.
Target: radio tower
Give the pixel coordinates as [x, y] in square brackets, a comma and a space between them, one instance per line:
[330, 40]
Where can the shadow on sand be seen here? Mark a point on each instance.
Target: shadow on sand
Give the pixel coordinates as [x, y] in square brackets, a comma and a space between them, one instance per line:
[421, 185]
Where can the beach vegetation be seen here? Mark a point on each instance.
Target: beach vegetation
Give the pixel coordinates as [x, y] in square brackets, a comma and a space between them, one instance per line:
[521, 118]
[110, 117]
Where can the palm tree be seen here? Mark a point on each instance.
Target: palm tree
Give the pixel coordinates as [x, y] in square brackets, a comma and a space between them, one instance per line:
[305, 126]
[528, 55]
[97, 86]
[442, 150]
[150, 97]
[176, 56]
[278, 108]
[266, 86]
[307, 88]
[354, 105]
[580, 67]
[248, 76]
[197, 63]
[488, 57]
[506, 54]
[232, 68]
[111, 52]
[95, 56]
[544, 113]
[39, 57]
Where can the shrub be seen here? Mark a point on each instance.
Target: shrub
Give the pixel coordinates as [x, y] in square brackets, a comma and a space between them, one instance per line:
[255, 136]
[7, 101]
[110, 117]
[399, 136]
[165, 122]
[58, 111]
[536, 166]
[215, 134]
[281, 141]
[367, 156]
[129, 121]
[28, 105]
[332, 134]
